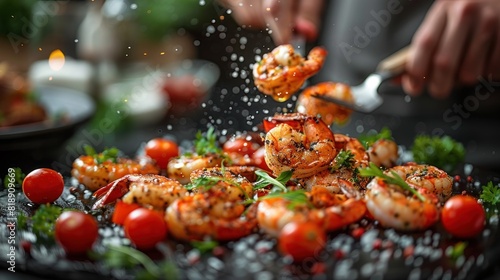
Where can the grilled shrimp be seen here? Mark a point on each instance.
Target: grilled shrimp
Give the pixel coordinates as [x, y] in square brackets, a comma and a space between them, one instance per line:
[222, 182]
[329, 112]
[384, 153]
[154, 191]
[428, 177]
[329, 211]
[394, 208]
[304, 145]
[282, 72]
[93, 175]
[342, 167]
[204, 216]
[180, 168]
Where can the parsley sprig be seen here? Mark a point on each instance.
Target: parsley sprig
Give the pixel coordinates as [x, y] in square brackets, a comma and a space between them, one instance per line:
[344, 158]
[491, 194]
[206, 144]
[109, 154]
[374, 171]
[443, 152]
[15, 177]
[278, 183]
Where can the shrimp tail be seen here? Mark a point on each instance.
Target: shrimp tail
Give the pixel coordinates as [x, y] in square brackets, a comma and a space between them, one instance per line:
[112, 191]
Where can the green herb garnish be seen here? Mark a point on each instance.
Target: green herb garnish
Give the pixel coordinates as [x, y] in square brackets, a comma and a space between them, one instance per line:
[14, 177]
[44, 219]
[491, 194]
[296, 198]
[457, 250]
[442, 152]
[204, 246]
[126, 257]
[278, 183]
[109, 154]
[374, 171]
[206, 144]
[371, 137]
[344, 158]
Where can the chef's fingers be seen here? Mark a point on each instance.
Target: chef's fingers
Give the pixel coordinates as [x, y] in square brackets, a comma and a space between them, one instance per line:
[460, 16]
[492, 68]
[279, 16]
[308, 18]
[247, 13]
[482, 39]
[424, 43]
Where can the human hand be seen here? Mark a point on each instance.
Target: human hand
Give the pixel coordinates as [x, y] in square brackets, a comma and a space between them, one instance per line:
[457, 42]
[282, 17]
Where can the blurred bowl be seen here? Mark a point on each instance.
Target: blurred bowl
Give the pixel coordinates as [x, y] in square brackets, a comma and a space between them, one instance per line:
[188, 84]
[140, 98]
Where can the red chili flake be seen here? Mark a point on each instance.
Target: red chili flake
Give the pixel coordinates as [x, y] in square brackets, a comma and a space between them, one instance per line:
[72, 189]
[408, 251]
[318, 268]
[469, 179]
[457, 178]
[339, 254]
[357, 232]
[218, 251]
[377, 244]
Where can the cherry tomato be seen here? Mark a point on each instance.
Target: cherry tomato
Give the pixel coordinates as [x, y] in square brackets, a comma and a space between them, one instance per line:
[301, 240]
[240, 145]
[462, 216]
[43, 185]
[76, 231]
[145, 228]
[122, 210]
[259, 158]
[161, 150]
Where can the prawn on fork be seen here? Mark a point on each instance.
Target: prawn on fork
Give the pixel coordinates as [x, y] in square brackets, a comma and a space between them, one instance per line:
[282, 72]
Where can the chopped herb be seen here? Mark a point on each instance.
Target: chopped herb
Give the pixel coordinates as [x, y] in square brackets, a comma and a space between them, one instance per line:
[457, 250]
[373, 170]
[443, 152]
[344, 158]
[491, 194]
[278, 183]
[43, 221]
[368, 139]
[127, 257]
[204, 246]
[109, 154]
[16, 178]
[206, 144]
[296, 198]
[22, 221]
